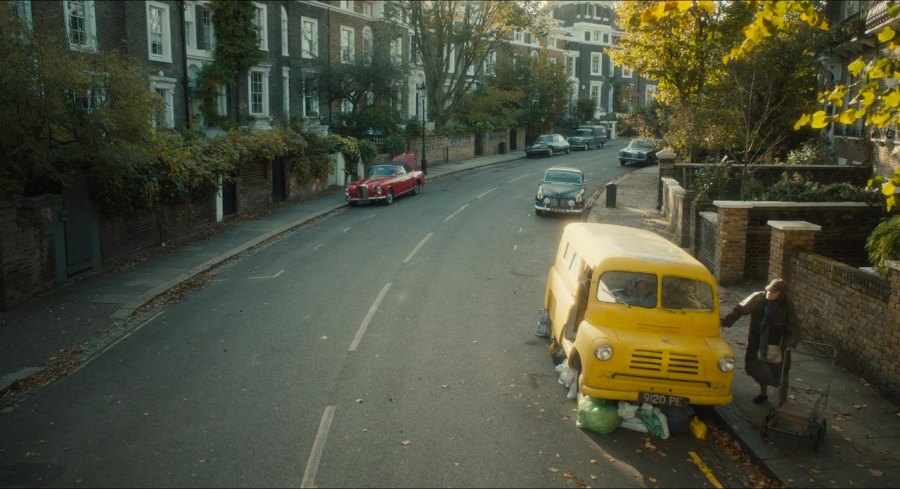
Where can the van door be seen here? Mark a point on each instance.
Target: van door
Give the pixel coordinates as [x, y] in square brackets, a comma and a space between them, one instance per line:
[582, 295]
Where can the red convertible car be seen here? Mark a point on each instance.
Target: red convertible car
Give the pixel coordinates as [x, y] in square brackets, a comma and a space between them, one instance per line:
[385, 182]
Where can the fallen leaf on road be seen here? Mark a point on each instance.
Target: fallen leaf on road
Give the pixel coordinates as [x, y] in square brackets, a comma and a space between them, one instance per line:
[405, 442]
[359, 401]
[554, 470]
[876, 472]
[593, 477]
[594, 461]
[444, 386]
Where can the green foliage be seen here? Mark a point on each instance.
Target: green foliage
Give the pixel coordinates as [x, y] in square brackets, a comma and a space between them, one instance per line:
[712, 180]
[367, 151]
[886, 187]
[315, 161]
[237, 49]
[584, 109]
[379, 120]
[67, 113]
[884, 244]
[794, 188]
[348, 146]
[394, 144]
[489, 109]
[817, 152]
[414, 127]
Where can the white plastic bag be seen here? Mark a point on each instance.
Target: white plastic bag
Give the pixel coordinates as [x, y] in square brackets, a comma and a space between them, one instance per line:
[567, 375]
[627, 410]
[634, 424]
[654, 420]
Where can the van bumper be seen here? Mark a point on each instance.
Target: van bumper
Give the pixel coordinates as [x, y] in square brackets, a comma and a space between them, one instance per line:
[632, 396]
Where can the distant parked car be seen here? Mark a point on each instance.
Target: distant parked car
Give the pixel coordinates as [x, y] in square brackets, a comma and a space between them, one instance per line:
[639, 151]
[384, 182]
[587, 137]
[561, 190]
[548, 144]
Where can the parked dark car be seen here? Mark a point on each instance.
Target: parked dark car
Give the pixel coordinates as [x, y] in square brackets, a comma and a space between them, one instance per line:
[641, 151]
[587, 137]
[548, 144]
[561, 190]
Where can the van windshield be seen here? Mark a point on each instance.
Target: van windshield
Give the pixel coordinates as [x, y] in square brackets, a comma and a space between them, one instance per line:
[583, 133]
[641, 290]
[629, 288]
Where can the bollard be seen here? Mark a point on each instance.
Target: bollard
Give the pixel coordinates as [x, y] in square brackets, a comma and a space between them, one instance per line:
[611, 195]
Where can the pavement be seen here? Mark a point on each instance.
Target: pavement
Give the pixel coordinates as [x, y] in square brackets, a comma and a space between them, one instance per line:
[56, 333]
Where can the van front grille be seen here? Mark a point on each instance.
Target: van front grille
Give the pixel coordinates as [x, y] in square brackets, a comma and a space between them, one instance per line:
[665, 362]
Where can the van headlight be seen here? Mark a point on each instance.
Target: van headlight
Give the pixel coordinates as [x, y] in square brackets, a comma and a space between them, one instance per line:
[726, 363]
[603, 352]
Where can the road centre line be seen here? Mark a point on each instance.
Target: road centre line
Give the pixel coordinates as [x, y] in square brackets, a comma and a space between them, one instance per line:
[489, 191]
[365, 323]
[315, 454]
[345, 230]
[268, 276]
[318, 246]
[418, 246]
[518, 177]
[455, 212]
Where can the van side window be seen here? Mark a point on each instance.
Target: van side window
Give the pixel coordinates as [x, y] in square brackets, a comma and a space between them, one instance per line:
[685, 293]
[629, 288]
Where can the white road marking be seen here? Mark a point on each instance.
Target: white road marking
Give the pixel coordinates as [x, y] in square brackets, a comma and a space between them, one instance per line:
[489, 191]
[268, 276]
[418, 246]
[365, 323]
[515, 247]
[110, 347]
[456, 212]
[315, 455]
[345, 230]
[518, 177]
[318, 246]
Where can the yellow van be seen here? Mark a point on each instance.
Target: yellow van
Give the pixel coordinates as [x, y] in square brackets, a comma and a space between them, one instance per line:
[637, 317]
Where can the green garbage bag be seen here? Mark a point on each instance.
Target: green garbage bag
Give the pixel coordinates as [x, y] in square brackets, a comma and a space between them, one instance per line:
[597, 415]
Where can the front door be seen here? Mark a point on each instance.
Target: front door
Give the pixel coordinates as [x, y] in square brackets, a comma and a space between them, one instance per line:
[82, 229]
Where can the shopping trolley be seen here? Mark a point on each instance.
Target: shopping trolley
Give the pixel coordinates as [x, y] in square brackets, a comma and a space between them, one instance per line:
[801, 409]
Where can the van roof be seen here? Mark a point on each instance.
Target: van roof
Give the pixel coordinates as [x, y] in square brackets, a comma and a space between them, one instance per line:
[632, 249]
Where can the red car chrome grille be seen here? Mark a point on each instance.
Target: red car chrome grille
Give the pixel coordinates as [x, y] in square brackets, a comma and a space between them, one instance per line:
[363, 191]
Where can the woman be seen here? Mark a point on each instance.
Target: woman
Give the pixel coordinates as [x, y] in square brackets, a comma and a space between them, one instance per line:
[771, 330]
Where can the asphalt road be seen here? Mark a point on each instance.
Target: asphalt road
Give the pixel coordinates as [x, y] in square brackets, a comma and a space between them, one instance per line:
[386, 346]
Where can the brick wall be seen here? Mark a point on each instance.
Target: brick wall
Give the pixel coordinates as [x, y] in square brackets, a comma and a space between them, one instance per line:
[254, 187]
[856, 311]
[443, 149]
[125, 238]
[26, 253]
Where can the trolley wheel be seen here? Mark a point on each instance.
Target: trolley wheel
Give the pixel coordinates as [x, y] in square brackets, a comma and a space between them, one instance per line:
[820, 435]
[556, 352]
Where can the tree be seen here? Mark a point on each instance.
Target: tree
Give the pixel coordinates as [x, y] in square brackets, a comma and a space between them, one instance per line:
[584, 109]
[370, 79]
[870, 100]
[67, 113]
[545, 90]
[490, 109]
[682, 53]
[454, 36]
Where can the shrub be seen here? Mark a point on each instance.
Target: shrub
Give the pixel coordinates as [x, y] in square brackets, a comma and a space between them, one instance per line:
[796, 189]
[817, 152]
[884, 244]
[367, 151]
[394, 144]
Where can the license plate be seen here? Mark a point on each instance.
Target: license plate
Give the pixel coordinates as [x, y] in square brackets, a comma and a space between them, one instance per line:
[662, 399]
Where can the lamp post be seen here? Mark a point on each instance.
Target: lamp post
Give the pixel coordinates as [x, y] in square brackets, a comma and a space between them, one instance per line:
[421, 87]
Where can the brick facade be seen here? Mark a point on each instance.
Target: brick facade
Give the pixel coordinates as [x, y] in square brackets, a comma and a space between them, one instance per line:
[26, 252]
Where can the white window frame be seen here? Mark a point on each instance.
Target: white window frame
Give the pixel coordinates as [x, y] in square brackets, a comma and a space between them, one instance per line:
[368, 44]
[626, 73]
[347, 5]
[263, 73]
[167, 86]
[310, 97]
[397, 50]
[90, 25]
[490, 63]
[23, 11]
[286, 92]
[649, 93]
[571, 66]
[598, 58]
[165, 34]
[596, 92]
[518, 35]
[260, 19]
[347, 45]
[367, 9]
[309, 37]
[284, 32]
[221, 101]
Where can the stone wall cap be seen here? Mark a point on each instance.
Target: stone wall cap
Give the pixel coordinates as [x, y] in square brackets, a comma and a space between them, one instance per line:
[794, 225]
[892, 264]
[733, 204]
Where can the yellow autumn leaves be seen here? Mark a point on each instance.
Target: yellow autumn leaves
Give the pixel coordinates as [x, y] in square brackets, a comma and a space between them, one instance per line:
[870, 99]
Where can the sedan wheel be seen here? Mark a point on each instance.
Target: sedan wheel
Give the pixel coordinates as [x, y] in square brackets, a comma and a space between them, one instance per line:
[622, 162]
[389, 199]
[416, 189]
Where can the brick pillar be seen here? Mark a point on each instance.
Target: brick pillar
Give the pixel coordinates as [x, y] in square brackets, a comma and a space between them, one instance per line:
[731, 241]
[683, 227]
[891, 369]
[788, 236]
[666, 169]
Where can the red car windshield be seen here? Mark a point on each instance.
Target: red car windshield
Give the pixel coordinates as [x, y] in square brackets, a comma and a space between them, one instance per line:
[383, 171]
